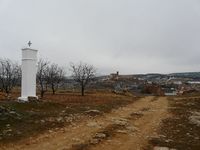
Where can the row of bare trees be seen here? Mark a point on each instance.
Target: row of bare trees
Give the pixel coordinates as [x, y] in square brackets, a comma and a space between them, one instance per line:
[10, 74]
[52, 76]
[49, 75]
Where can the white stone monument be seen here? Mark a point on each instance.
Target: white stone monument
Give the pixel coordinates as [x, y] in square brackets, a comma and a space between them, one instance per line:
[29, 70]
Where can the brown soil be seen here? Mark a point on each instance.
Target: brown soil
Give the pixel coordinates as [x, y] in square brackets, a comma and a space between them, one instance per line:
[125, 128]
[179, 131]
[20, 121]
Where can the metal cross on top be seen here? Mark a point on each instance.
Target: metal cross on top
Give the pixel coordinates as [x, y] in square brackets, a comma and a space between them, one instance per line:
[29, 43]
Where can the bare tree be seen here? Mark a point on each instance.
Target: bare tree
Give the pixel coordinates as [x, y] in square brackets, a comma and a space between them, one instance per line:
[42, 76]
[82, 74]
[55, 76]
[10, 74]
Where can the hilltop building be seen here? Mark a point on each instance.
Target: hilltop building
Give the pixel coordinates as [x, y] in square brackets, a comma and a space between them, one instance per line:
[114, 76]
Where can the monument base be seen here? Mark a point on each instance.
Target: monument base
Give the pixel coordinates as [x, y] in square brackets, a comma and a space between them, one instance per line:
[27, 99]
[22, 99]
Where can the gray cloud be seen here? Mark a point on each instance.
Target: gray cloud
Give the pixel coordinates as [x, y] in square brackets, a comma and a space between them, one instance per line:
[132, 36]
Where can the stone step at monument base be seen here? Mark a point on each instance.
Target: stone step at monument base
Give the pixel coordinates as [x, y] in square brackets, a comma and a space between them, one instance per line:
[28, 99]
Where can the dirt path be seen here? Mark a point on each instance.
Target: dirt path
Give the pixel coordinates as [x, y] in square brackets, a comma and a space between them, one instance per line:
[125, 128]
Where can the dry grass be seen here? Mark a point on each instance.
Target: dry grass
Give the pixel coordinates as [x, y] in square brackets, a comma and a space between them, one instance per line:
[31, 119]
[75, 97]
[26, 119]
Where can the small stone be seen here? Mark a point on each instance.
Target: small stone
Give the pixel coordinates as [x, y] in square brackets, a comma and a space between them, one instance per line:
[50, 131]
[132, 128]
[195, 118]
[60, 119]
[161, 148]
[93, 112]
[93, 124]
[76, 140]
[168, 140]
[100, 135]
[12, 112]
[122, 131]
[162, 136]
[9, 130]
[120, 121]
[42, 121]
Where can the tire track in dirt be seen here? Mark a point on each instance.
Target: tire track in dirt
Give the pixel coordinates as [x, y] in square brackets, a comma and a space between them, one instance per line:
[132, 131]
[142, 116]
[146, 126]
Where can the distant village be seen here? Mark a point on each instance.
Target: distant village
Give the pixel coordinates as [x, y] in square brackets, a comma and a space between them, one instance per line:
[147, 84]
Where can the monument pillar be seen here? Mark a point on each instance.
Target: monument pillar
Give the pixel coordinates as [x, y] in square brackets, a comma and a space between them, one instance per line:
[29, 70]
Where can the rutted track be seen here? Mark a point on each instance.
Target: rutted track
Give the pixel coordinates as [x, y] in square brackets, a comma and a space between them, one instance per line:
[124, 128]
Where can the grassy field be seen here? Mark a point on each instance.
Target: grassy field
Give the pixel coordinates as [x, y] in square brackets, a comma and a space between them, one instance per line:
[22, 120]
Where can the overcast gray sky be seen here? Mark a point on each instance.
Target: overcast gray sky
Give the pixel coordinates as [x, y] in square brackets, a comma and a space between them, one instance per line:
[131, 36]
